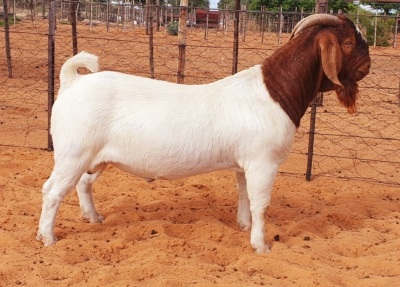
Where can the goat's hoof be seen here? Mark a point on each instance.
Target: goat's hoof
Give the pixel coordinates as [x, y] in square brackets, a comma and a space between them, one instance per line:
[46, 240]
[244, 226]
[261, 248]
[96, 218]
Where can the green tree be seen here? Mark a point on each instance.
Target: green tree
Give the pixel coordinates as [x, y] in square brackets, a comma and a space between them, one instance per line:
[228, 4]
[345, 6]
[291, 5]
[387, 8]
[199, 3]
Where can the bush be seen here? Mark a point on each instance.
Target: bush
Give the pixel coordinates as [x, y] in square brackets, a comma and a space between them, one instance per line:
[384, 28]
[10, 20]
[172, 28]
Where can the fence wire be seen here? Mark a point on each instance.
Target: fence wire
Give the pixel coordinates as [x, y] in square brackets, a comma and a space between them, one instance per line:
[363, 146]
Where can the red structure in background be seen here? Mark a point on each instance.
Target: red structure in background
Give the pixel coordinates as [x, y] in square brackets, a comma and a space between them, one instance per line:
[201, 18]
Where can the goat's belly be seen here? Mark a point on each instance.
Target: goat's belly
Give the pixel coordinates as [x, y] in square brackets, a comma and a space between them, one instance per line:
[172, 170]
[164, 164]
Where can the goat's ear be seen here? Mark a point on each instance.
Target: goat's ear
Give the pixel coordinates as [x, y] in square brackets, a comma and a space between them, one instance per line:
[331, 57]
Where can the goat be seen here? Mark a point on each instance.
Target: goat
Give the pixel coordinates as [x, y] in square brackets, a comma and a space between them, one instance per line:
[160, 130]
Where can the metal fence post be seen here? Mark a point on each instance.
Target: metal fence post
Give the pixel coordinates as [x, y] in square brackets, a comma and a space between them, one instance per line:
[51, 51]
[316, 102]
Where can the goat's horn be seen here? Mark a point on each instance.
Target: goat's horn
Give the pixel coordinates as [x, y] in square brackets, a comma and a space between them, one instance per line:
[315, 19]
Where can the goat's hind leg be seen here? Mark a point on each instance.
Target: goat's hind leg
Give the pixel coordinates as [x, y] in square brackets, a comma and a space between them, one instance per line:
[84, 188]
[54, 190]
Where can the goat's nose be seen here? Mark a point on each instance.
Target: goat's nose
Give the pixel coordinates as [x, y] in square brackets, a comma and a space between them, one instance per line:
[362, 71]
[365, 68]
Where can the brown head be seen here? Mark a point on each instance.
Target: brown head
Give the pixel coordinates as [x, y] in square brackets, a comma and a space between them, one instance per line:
[325, 53]
[344, 55]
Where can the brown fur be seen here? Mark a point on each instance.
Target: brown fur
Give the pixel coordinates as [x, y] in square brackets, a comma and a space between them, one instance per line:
[295, 73]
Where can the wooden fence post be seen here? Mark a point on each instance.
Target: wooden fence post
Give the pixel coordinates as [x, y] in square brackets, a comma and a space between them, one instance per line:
[182, 30]
[108, 16]
[158, 12]
[50, 56]
[375, 27]
[7, 37]
[396, 27]
[206, 28]
[262, 23]
[150, 32]
[148, 3]
[73, 9]
[280, 25]
[236, 37]
[243, 22]
[398, 97]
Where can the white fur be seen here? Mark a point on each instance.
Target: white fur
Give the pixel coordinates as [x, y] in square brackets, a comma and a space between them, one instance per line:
[161, 130]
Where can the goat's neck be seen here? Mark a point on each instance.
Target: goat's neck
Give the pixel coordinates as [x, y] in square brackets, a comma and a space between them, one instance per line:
[293, 76]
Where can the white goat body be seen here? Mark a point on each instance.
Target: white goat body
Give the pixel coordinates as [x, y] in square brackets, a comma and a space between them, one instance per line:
[156, 129]
[161, 130]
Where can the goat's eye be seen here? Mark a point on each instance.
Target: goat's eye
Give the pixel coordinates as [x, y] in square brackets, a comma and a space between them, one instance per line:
[348, 46]
[349, 43]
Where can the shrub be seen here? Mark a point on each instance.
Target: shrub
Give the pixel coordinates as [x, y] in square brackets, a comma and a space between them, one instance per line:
[10, 20]
[384, 28]
[172, 28]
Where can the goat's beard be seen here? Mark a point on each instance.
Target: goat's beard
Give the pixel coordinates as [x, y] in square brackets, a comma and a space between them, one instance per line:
[348, 95]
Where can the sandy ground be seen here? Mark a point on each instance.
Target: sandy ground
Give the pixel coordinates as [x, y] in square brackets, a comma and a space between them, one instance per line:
[326, 232]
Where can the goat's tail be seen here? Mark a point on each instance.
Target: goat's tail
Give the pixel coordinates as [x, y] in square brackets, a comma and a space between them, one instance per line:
[69, 71]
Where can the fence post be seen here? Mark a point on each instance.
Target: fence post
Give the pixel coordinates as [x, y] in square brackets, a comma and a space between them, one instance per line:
[182, 41]
[262, 23]
[243, 22]
[147, 10]
[375, 27]
[73, 9]
[310, 153]
[280, 25]
[107, 16]
[398, 97]
[396, 27]
[206, 29]
[236, 37]
[158, 12]
[150, 31]
[51, 52]
[7, 37]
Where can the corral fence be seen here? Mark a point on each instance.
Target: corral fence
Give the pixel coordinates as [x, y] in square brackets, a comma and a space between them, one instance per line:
[210, 44]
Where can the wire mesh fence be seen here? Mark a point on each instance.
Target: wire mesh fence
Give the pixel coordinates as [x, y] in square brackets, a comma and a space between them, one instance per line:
[141, 40]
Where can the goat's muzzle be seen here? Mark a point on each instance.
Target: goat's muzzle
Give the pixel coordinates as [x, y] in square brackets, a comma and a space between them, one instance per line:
[362, 71]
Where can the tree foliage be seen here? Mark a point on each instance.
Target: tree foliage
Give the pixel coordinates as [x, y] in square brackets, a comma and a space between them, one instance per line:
[288, 5]
[387, 8]
[199, 3]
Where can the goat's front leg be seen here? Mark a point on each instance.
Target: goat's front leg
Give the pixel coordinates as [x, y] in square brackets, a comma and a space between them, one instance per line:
[243, 212]
[259, 186]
